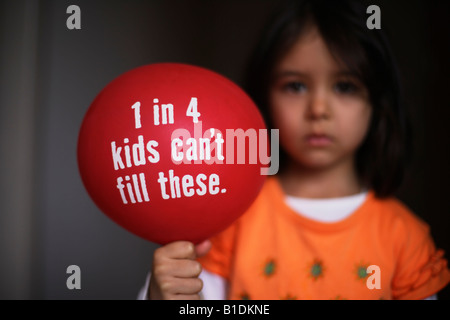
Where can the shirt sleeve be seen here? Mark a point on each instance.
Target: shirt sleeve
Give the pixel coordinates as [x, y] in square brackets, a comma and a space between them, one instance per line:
[421, 269]
[214, 286]
[142, 295]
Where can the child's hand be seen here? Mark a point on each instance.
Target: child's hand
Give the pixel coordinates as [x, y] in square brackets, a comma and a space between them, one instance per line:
[175, 271]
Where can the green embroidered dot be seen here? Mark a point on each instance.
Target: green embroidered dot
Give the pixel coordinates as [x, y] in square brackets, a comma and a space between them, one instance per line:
[316, 269]
[269, 268]
[361, 272]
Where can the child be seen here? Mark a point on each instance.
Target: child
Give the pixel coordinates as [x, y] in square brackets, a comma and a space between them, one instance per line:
[327, 225]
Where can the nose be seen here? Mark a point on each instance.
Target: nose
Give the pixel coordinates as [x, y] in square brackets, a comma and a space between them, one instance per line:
[318, 107]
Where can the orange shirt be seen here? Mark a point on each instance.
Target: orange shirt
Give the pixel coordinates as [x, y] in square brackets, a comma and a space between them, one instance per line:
[272, 252]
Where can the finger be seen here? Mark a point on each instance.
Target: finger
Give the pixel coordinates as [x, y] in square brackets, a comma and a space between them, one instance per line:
[176, 250]
[182, 286]
[178, 268]
[202, 248]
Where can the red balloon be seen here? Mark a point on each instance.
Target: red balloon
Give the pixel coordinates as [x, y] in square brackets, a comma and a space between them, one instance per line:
[155, 155]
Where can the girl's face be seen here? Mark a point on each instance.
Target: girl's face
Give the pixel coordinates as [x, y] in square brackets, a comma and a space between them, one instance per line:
[321, 110]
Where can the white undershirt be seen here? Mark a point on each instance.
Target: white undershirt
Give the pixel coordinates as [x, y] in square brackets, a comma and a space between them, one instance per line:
[326, 210]
[322, 210]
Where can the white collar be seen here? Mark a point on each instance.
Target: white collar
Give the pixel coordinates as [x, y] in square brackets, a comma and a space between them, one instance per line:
[326, 210]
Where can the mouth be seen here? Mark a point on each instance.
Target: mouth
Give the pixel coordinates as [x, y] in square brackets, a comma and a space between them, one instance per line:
[318, 140]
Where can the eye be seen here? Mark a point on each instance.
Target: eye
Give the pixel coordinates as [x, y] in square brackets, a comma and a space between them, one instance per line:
[294, 86]
[346, 87]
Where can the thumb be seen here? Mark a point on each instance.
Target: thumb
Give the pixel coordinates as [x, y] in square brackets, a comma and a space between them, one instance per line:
[202, 248]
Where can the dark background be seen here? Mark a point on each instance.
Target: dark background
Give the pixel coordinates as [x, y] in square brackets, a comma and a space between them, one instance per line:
[49, 75]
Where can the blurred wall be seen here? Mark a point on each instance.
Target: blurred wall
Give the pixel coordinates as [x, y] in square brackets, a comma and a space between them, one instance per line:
[49, 76]
[19, 40]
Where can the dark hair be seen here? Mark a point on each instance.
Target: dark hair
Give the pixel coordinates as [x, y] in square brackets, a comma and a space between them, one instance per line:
[381, 158]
